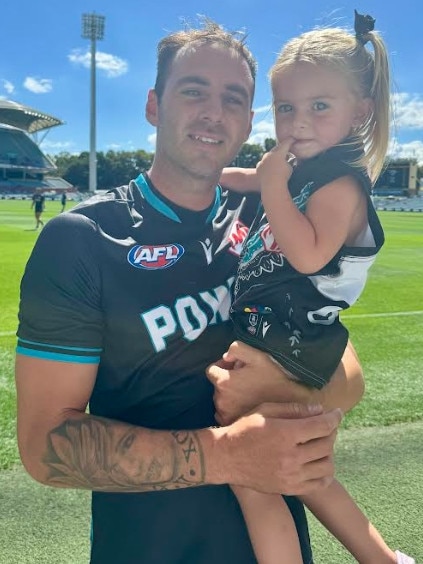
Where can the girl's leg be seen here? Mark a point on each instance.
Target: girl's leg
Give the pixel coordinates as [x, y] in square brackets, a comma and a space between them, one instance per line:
[339, 513]
[271, 527]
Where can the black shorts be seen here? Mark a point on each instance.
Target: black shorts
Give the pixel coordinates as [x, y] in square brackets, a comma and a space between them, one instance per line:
[190, 526]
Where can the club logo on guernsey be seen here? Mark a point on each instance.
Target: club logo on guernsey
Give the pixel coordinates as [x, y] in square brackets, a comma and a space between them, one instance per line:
[237, 237]
[155, 257]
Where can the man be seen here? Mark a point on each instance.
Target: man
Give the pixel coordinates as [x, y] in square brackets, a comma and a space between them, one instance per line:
[38, 200]
[63, 201]
[128, 318]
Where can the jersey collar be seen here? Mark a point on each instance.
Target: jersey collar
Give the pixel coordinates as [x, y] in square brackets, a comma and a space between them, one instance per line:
[158, 203]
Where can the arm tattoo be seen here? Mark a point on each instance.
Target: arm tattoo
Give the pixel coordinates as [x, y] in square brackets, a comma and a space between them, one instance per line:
[103, 455]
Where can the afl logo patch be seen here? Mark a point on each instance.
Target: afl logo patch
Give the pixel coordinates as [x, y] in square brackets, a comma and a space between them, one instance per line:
[154, 257]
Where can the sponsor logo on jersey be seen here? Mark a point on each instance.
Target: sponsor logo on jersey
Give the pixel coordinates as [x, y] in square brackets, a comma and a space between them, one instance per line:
[265, 328]
[189, 316]
[237, 237]
[208, 250]
[154, 257]
[268, 240]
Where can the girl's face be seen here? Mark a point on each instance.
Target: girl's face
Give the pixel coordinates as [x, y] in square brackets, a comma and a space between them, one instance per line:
[316, 107]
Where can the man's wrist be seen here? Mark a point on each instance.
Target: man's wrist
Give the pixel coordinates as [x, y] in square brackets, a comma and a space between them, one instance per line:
[213, 441]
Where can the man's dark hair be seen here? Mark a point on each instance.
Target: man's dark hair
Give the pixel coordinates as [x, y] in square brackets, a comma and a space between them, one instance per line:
[209, 33]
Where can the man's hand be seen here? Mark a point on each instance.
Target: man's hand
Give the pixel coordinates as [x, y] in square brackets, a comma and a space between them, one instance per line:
[280, 448]
[247, 377]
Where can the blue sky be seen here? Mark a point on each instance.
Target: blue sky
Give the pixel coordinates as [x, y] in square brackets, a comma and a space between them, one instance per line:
[44, 61]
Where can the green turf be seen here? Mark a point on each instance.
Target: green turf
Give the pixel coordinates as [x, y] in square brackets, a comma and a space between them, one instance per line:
[382, 469]
[40, 525]
[383, 460]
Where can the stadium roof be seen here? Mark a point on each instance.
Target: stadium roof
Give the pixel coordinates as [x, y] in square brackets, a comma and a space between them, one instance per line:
[26, 118]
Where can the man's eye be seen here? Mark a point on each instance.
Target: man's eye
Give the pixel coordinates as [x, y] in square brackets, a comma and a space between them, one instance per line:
[234, 100]
[283, 108]
[192, 92]
[320, 106]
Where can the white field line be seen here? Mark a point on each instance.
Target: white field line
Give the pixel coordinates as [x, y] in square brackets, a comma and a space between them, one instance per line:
[344, 316]
[390, 314]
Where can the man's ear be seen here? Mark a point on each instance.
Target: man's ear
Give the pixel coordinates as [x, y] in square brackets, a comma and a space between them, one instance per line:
[151, 108]
[365, 109]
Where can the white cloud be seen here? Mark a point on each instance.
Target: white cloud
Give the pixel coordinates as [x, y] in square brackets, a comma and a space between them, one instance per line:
[38, 85]
[8, 86]
[408, 111]
[152, 140]
[263, 109]
[53, 147]
[113, 66]
[124, 146]
[410, 150]
[262, 130]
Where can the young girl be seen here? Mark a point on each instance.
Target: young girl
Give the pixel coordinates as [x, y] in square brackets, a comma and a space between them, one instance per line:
[308, 252]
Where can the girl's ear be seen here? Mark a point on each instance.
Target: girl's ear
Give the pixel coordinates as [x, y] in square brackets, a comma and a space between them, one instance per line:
[151, 108]
[365, 108]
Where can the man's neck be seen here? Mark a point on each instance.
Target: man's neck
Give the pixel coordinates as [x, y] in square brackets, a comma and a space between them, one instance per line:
[186, 191]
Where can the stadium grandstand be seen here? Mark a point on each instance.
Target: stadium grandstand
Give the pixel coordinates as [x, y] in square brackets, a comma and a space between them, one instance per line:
[23, 166]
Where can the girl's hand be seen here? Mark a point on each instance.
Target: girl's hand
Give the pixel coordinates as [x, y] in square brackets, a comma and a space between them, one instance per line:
[276, 166]
[246, 377]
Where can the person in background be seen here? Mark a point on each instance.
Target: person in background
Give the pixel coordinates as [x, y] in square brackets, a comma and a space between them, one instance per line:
[308, 252]
[38, 201]
[129, 318]
[63, 201]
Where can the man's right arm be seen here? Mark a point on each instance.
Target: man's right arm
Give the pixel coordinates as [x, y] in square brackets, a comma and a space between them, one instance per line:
[63, 446]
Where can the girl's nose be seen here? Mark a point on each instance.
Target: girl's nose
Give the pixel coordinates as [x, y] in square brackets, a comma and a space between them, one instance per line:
[300, 122]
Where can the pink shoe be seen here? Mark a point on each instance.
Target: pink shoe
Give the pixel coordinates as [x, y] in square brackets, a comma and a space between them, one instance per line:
[403, 558]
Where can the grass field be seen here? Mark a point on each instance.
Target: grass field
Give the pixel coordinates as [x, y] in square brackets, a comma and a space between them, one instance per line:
[379, 455]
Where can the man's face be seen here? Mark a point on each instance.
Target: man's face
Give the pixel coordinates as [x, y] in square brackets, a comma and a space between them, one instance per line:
[204, 114]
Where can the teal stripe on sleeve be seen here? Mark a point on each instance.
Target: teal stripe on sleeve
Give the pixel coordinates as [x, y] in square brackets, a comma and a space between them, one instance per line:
[44, 355]
[82, 349]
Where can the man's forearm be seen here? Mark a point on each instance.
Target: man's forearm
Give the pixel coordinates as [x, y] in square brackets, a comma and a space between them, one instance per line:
[346, 387]
[104, 455]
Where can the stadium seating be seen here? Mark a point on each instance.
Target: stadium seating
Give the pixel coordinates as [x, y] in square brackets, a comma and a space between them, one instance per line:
[413, 204]
[18, 150]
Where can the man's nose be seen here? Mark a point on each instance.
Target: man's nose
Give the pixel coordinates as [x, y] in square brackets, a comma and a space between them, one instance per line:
[212, 109]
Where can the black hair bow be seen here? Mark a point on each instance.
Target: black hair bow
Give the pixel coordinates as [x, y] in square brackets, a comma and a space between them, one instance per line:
[362, 25]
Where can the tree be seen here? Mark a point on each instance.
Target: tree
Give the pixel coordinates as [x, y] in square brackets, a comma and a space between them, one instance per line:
[248, 156]
[114, 168]
[269, 143]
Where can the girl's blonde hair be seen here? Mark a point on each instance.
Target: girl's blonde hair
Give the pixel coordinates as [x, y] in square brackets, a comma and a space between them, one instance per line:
[368, 73]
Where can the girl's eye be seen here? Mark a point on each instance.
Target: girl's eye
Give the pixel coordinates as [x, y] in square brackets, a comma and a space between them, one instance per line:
[283, 108]
[320, 106]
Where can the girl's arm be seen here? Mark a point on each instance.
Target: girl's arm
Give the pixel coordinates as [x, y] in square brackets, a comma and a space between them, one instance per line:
[240, 179]
[339, 513]
[334, 214]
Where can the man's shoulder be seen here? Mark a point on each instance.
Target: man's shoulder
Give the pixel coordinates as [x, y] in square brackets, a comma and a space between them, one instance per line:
[109, 197]
[245, 204]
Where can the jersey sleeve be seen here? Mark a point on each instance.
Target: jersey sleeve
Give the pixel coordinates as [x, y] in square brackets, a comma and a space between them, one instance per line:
[60, 315]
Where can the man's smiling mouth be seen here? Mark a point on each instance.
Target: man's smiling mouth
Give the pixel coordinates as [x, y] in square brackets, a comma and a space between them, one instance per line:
[207, 140]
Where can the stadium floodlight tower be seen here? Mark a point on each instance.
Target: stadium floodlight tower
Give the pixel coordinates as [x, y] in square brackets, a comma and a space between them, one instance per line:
[93, 29]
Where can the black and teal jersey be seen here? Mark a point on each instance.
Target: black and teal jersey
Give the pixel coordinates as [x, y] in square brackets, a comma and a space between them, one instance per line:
[142, 287]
